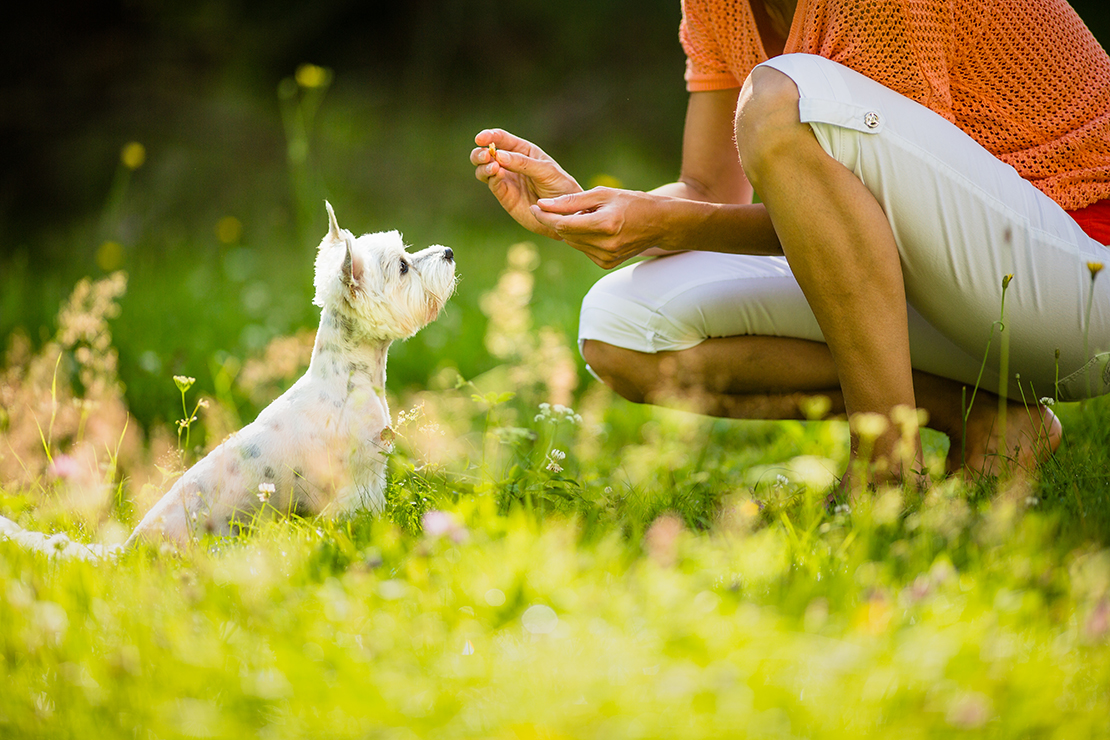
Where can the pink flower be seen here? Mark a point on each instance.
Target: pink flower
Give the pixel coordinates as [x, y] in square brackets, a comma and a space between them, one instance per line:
[442, 524]
[64, 467]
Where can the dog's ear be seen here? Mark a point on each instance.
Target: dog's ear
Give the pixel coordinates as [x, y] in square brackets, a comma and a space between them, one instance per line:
[333, 225]
[352, 266]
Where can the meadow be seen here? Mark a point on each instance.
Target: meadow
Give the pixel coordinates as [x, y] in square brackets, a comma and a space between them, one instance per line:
[554, 562]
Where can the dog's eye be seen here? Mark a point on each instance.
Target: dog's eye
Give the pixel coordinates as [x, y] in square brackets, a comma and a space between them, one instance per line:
[404, 267]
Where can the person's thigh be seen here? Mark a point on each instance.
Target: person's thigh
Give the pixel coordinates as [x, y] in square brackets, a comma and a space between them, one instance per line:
[963, 221]
[676, 302]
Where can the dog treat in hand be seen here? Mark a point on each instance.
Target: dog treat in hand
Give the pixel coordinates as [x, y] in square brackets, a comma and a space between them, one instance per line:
[492, 152]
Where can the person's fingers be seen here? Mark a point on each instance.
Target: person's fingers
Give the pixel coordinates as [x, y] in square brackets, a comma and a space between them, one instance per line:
[579, 224]
[562, 224]
[485, 172]
[587, 200]
[600, 257]
[506, 141]
[485, 165]
[541, 170]
[480, 155]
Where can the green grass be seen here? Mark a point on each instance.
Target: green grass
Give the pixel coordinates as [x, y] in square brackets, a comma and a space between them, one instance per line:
[666, 575]
[903, 618]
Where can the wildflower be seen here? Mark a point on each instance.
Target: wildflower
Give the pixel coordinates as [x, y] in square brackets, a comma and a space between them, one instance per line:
[229, 229]
[311, 76]
[553, 459]
[1046, 401]
[750, 508]
[557, 413]
[1095, 268]
[1006, 280]
[64, 467]
[133, 155]
[1098, 623]
[781, 480]
[444, 524]
[661, 539]
[410, 415]
[265, 490]
[842, 509]
[183, 382]
[109, 256]
[969, 711]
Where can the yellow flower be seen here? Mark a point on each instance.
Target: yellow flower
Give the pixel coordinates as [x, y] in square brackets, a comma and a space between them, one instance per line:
[133, 155]
[109, 256]
[1094, 267]
[229, 229]
[309, 75]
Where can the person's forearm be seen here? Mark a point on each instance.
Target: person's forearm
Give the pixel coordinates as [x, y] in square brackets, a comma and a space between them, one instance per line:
[692, 222]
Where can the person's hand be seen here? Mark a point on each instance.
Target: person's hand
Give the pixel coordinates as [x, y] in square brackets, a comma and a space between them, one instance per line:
[608, 225]
[518, 175]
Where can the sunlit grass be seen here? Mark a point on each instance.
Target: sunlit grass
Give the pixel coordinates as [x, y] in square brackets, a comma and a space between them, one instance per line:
[586, 569]
[877, 623]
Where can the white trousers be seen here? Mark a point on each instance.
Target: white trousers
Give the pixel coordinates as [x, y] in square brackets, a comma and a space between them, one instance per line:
[962, 220]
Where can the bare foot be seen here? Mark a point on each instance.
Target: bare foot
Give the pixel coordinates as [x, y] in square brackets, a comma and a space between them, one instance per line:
[1032, 435]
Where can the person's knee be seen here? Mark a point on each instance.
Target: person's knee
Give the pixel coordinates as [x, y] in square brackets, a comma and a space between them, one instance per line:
[767, 120]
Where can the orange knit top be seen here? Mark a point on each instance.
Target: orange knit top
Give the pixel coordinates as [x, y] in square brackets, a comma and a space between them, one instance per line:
[1024, 78]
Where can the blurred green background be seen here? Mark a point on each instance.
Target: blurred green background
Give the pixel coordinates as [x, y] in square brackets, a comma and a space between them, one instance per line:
[217, 225]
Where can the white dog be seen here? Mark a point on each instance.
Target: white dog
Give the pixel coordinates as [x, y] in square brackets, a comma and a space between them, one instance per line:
[321, 446]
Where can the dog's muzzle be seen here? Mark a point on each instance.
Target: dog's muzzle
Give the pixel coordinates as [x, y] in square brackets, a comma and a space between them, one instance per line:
[448, 254]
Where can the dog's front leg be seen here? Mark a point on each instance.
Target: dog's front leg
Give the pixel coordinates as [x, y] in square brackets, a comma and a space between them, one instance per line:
[174, 518]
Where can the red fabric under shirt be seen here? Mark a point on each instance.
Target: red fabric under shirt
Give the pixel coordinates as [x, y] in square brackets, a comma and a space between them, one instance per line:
[1095, 220]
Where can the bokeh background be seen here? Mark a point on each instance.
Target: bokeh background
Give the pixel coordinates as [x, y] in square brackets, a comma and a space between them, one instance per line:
[215, 215]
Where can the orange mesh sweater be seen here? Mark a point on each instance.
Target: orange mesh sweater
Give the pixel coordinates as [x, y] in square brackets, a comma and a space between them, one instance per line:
[1024, 78]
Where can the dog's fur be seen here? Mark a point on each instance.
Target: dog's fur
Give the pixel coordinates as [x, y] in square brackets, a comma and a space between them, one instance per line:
[321, 446]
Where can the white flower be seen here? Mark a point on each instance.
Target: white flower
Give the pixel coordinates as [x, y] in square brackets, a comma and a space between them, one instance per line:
[265, 490]
[1048, 401]
[554, 458]
[557, 413]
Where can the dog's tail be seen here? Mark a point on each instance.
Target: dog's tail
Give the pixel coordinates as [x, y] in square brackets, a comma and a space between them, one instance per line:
[54, 545]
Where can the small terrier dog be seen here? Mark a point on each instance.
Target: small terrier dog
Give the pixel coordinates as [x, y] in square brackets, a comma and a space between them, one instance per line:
[321, 446]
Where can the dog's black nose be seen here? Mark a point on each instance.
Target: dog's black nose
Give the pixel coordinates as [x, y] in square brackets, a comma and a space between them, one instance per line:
[448, 254]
